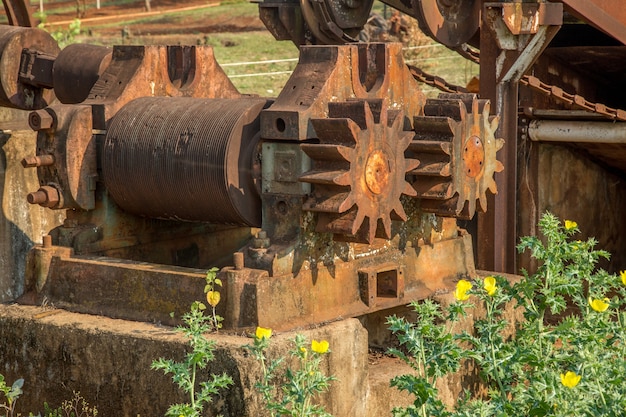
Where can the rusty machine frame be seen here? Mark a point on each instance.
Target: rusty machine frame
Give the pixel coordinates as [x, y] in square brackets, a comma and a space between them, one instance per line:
[339, 197]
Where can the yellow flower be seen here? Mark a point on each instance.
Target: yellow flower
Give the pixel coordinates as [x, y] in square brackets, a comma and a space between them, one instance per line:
[263, 333]
[319, 347]
[490, 285]
[462, 287]
[570, 379]
[599, 305]
[569, 225]
[213, 298]
[623, 275]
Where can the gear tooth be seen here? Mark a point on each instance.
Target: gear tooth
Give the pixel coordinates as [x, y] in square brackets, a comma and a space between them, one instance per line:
[409, 190]
[342, 226]
[343, 179]
[421, 147]
[410, 164]
[393, 117]
[344, 131]
[354, 110]
[499, 167]
[357, 223]
[359, 169]
[471, 207]
[399, 213]
[433, 164]
[454, 185]
[447, 107]
[347, 203]
[487, 109]
[499, 144]
[482, 199]
[386, 221]
[493, 123]
[339, 177]
[493, 187]
[405, 140]
[475, 107]
[328, 201]
[434, 188]
[327, 152]
[433, 128]
[373, 225]
[376, 107]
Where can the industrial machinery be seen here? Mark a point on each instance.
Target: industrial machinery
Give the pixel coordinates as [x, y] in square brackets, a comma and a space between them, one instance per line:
[339, 197]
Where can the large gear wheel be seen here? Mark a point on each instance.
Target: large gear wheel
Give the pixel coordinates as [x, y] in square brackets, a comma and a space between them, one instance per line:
[456, 146]
[359, 170]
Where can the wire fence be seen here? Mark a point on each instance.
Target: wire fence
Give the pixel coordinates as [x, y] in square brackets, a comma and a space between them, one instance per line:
[293, 60]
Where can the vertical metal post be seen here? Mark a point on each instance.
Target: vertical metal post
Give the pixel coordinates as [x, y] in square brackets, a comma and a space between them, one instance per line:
[506, 54]
[19, 13]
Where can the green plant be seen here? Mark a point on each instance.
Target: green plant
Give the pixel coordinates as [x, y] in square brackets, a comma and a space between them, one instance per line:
[184, 373]
[76, 407]
[11, 394]
[431, 350]
[213, 296]
[63, 37]
[301, 387]
[568, 357]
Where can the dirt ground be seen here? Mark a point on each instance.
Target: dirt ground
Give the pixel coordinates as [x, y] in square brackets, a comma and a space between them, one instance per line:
[109, 14]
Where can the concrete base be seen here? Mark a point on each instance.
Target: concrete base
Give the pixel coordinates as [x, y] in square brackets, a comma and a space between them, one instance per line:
[108, 361]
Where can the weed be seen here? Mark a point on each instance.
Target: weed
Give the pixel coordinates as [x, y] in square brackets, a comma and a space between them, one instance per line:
[76, 407]
[568, 357]
[213, 296]
[184, 374]
[11, 394]
[296, 396]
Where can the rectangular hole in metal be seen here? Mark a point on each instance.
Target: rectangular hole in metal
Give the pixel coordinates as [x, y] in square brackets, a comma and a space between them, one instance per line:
[387, 284]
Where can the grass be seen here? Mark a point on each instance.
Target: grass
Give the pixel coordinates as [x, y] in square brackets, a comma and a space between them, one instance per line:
[233, 48]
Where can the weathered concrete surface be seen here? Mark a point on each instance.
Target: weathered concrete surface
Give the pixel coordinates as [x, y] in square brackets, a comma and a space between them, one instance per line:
[21, 224]
[108, 361]
[452, 386]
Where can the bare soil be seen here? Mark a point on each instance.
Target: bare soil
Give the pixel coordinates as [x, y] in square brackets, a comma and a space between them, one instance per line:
[192, 23]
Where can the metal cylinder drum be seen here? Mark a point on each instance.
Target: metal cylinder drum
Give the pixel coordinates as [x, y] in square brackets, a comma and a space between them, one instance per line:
[76, 70]
[187, 159]
[13, 92]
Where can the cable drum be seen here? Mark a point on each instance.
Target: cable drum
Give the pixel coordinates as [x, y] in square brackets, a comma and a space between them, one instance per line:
[185, 159]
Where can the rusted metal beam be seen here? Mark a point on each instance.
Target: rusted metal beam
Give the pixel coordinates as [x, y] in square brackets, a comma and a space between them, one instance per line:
[512, 37]
[609, 16]
[19, 13]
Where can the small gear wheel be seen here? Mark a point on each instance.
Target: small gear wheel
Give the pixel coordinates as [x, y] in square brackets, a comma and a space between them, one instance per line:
[359, 170]
[456, 146]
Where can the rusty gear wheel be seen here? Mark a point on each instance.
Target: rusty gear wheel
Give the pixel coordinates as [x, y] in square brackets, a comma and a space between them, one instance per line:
[456, 146]
[359, 170]
[450, 22]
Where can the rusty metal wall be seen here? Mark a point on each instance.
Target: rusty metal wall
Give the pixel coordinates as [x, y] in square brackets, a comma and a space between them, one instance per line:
[21, 224]
[576, 188]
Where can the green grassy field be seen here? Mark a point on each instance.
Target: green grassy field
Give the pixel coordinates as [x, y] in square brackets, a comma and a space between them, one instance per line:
[232, 49]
